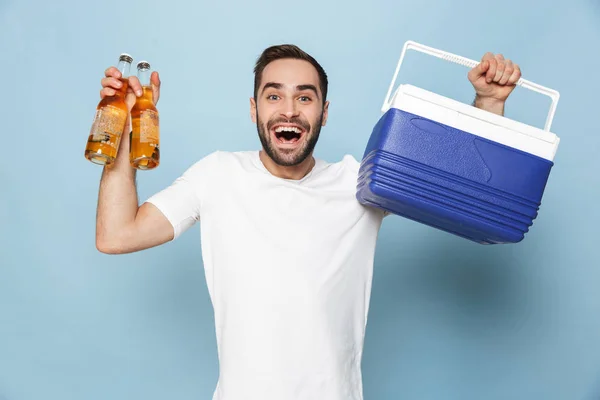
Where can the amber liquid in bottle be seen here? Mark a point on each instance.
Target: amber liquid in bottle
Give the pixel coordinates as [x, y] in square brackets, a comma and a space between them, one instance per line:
[109, 121]
[144, 151]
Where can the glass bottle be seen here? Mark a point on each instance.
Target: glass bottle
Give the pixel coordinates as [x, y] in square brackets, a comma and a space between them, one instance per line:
[144, 151]
[109, 121]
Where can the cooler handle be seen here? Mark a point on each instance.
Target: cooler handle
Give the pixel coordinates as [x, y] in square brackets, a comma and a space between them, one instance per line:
[553, 94]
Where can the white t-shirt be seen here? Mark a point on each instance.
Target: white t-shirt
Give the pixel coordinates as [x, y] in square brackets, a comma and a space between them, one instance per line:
[289, 266]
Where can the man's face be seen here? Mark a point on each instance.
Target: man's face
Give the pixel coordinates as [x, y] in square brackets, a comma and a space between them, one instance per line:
[289, 110]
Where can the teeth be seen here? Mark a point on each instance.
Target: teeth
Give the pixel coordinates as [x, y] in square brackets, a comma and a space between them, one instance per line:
[288, 129]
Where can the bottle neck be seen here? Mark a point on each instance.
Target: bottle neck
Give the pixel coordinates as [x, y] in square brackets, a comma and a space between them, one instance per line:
[124, 68]
[144, 76]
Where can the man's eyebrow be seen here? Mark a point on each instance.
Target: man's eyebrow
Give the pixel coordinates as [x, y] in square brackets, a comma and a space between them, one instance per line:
[308, 87]
[273, 85]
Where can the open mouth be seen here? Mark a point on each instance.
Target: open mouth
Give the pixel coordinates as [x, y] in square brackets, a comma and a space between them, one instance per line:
[288, 134]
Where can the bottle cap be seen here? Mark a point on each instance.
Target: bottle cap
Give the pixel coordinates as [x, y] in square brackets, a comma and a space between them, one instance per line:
[143, 65]
[126, 57]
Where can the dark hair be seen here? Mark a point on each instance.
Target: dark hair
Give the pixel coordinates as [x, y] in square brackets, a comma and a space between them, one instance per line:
[287, 51]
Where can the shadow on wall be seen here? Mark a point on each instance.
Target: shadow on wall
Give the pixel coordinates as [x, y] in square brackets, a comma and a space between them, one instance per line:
[177, 307]
[435, 285]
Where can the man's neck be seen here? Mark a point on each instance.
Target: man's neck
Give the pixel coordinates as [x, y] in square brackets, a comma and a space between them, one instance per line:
[295, 172]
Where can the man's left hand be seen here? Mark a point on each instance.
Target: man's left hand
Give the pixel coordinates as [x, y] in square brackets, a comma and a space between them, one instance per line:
[494, 79]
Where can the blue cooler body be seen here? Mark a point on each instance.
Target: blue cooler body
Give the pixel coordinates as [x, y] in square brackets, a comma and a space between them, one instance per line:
[451, 179]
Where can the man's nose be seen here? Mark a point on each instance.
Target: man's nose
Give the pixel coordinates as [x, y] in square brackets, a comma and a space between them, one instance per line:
[290, 109]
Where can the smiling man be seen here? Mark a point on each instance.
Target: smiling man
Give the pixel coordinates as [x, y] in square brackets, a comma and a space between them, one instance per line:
[287, 249]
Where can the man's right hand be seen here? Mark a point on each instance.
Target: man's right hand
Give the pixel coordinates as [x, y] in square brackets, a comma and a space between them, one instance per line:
[122, 226]
[111, 83]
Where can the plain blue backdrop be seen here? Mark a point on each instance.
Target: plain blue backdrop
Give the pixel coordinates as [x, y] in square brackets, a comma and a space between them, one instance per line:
[449, 319]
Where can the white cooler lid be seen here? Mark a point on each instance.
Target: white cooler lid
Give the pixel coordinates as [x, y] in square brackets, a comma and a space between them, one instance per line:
[478, 122]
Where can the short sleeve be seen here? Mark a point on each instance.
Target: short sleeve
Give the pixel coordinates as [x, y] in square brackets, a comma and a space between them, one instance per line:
[181, 202]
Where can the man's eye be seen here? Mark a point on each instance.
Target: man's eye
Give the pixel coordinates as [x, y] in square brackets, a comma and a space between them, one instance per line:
[272, 97]
[304, 98]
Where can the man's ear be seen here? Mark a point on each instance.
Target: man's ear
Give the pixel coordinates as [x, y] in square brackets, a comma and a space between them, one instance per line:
[325, 113]
[253, 109]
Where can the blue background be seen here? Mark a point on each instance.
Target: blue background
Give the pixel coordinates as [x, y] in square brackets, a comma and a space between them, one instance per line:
[449, 319]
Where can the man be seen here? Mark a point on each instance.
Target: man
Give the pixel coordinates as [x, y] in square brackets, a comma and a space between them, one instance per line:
[287, 249]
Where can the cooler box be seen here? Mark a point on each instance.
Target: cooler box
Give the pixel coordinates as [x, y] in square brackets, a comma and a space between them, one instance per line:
[454, 167]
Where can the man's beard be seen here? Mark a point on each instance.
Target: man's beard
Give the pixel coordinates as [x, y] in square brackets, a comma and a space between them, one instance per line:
[289, 157]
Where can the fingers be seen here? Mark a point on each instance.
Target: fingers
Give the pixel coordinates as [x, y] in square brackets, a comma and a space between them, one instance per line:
[155, 79]
[478, 71]
[508, 70]
[112, 72]
[515, 76]
[135, 86]
[111, 82]
[486, 64]
[491, 72]
[500, 66]
[107, 92]
[500, 70]
[155, 82]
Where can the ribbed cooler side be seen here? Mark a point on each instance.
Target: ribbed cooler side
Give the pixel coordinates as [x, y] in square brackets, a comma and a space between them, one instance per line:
[450, 179]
